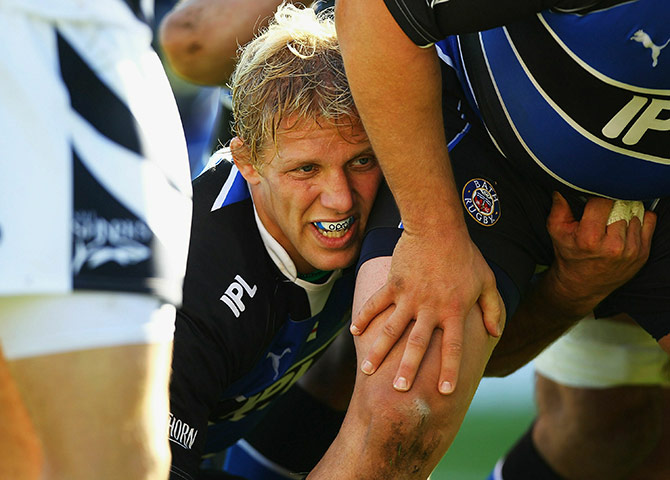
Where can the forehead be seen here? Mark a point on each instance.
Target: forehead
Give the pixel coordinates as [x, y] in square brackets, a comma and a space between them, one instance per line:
[305, 137]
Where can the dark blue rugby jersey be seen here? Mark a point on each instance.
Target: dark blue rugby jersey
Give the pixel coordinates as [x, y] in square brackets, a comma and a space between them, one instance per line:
[248, 329]
[575, 99]
[583, 97]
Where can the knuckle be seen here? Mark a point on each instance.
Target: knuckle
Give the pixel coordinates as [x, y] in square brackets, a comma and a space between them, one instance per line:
[397, 283]
[453, 348]
[615, 249]
[417, 340]
[589, 244]
[390, 331]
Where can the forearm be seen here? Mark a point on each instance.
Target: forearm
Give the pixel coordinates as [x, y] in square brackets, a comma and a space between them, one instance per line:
[200, 37]
[545, 314]
[594, 257]
[397, 88]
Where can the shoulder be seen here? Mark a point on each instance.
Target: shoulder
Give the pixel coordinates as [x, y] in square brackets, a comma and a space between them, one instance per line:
[226, 250]
[219, 184]
[430, 21]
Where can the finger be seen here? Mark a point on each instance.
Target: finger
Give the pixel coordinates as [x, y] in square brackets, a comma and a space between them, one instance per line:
[394, 326]
[615, 236]
[597, 210]
[415, 349]
[634, 248]
[593, 224]
[492, 307]
[648, 227]
[452, 350]
[376, 304]
[560, 220]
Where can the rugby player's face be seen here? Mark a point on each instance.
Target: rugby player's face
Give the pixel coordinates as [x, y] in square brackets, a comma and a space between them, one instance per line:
[315, 191]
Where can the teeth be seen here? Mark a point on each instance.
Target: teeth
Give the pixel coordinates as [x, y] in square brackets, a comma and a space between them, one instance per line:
[334, 229]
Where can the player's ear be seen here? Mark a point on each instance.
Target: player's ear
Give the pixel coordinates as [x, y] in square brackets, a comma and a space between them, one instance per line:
[242, 159]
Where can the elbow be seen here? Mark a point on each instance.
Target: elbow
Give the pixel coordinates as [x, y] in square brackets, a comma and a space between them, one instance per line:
[497, 369]
[187, 55]
[501, 365]
[176, 44]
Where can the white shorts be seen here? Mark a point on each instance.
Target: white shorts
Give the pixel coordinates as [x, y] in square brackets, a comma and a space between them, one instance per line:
[95, 189]
[604, 353]
[33, 326]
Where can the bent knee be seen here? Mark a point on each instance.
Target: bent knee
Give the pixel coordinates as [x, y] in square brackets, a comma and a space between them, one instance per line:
[407, 435]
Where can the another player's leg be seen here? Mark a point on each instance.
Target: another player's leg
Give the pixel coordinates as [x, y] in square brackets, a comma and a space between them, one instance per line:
[20, 449]
[657, 464]
[600, 408]
[97, 199]
[95, 386]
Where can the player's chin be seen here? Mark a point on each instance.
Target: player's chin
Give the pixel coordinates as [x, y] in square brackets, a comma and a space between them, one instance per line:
[336, 259]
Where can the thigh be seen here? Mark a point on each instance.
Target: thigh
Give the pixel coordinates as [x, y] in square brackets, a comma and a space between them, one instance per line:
[20, 449]
[98, 404]
[587, 433]
[657, 465]
[99, 410]
[600, 401]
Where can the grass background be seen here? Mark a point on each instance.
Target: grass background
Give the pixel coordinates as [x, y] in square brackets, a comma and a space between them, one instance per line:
[501, 411]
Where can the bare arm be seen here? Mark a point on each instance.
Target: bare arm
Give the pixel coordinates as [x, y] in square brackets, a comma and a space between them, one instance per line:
[200, 37]
[390, 434]
[437, 273]
[592, 260]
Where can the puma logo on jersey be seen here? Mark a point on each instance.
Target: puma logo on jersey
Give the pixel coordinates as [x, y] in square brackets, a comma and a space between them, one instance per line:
[234, 293]
[275, 358]
[646, 41]
[639, 115]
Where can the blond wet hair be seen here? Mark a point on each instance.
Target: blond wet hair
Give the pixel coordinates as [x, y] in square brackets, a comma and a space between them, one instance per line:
[292, 71]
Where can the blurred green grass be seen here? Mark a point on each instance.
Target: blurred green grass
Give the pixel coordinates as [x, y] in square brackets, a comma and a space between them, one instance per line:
[501, 411]
[484, 437]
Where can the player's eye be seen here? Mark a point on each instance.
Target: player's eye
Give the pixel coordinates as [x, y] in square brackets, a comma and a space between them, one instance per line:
[364, 162]
[305, 168]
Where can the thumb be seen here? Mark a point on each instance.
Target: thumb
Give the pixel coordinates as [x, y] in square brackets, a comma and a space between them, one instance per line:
[493, 311]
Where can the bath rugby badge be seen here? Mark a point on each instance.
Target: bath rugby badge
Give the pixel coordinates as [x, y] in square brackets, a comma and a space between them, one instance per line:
[481, 201]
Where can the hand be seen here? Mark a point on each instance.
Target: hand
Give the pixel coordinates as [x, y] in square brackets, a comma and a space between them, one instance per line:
[436, 281]
[594, 258]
